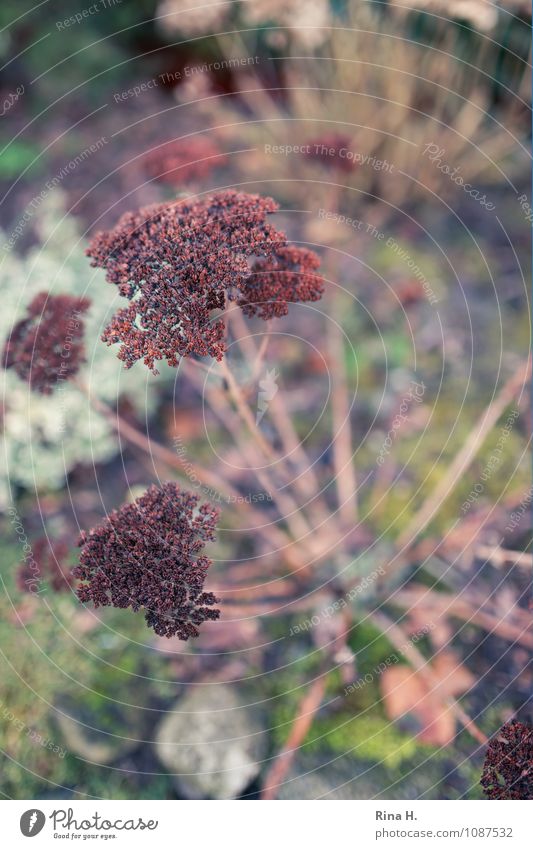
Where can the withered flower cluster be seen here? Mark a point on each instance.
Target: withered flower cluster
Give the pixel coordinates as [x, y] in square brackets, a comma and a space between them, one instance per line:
[179, 262]
[46, 347]
[146, 555]
[287, 277]
[47, 563]
[183, 161]
[508, 768]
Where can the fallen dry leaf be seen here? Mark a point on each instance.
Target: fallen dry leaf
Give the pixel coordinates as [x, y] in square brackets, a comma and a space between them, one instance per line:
[404, 691]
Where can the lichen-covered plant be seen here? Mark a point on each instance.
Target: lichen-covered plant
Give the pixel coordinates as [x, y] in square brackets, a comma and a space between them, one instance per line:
[44, 441]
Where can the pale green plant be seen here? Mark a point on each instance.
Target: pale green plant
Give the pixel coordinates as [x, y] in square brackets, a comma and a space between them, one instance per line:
[44, 437]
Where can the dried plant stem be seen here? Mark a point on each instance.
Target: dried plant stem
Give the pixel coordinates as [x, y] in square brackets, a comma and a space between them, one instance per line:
[292, 513]
[245, 412]
[150, 446]
[268, 606]
[465, 456]
[257, 97]
[421, 666]
[241, 334]
[306, 483]
[342, 443]
[306, 712]
[465, 609]
[271, 533]
[317, 544]
[281, 592]
[259, 358]
[342, 439]
[500, 556]
[288, 510]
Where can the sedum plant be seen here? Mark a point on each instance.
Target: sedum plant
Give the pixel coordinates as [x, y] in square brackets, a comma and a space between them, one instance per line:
[45, 438]
[189, 272]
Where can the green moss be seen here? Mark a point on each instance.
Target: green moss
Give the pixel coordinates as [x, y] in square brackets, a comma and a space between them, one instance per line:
[54, 665]
[17, 157]
[368, 737]
[370, 647]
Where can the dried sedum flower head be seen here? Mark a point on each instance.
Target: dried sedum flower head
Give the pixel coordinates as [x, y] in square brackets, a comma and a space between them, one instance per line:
[289, 276]
[177, 263]
[147, 555]
[508, 768]
[46, 347]
[47, 562]
[183, 161]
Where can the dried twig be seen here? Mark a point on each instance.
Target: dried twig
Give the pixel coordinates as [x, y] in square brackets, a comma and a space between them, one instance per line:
[306, 481]
[211, 480]
[244, 411]
[500, 556]
[305, 714]
[463, 608]
[465, 456]
[288, 510]
[342, 444]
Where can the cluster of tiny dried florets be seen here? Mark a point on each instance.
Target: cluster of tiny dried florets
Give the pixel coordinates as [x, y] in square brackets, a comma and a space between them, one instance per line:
[508, 768]
[178, 263]
[47, 563]
[183, 161]
[287, 277]
[146, 555]
[46, 347]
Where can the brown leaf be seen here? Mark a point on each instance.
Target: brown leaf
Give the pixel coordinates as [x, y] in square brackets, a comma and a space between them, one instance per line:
[405, 691]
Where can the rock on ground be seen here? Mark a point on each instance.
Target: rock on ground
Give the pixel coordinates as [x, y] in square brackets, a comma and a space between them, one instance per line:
[211, 742]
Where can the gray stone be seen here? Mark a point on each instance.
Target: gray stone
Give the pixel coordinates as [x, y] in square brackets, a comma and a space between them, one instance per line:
[211, 742]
